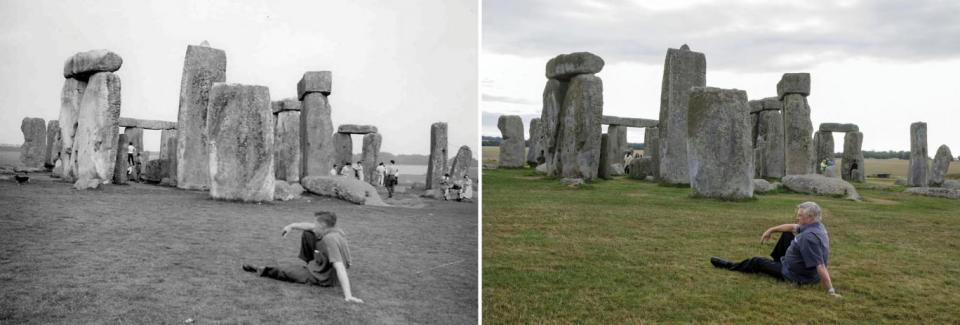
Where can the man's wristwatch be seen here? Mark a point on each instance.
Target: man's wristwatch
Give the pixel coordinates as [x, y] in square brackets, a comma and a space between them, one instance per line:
[831, 291]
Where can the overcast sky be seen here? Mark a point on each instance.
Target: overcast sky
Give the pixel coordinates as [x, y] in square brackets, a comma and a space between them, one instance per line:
[399, 65]
[879, 64]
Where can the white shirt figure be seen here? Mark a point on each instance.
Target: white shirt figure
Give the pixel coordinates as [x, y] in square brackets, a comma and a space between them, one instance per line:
[466, 190]
[358, 171]
[381, 173]
[131, 149]
[346, 171]
[393, 170]
[333, 171]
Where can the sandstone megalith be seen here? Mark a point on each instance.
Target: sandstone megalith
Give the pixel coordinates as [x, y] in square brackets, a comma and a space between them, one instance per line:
[719, 150]
[917, 174]
[342, 148]
[461, 163]
[316, 128]
[553, 94]
[852, 168]
[286, 140]
[54, 145]
[534, 151]
[682, 70]
[202, 66]
[240, 143]
[797, 127]
[34, 142]
[370, 155]
[941, 164]
[580, 128]
[437, 165]
[770, 127]
[511, 146]
[168, 155]
[70, 98]
[97, 128]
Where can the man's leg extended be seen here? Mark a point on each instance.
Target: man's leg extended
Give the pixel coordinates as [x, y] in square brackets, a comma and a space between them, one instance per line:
[759, 265]
[298, 274]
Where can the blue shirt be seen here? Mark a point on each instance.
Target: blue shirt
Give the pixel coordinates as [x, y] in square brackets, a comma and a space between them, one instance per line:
[809, 248]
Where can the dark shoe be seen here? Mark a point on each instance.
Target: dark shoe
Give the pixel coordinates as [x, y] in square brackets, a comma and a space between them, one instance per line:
[249, 268]
[720, 263]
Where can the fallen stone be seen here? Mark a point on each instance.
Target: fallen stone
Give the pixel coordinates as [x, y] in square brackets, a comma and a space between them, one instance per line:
[345, 188]
[240, 131]
[579, 140]
[127, 122]
[839, 127]
[315, 82]
[534, 152]
[541, 169]
[572, 182]
[941, 164]
[202, 66]
[286, 144]
[34, 148]
[798, 130]
[84, 64]
[553, 95]
[512, 144]
[628, 121]
[852, 165]
[794, 83]
[356, 129]
[948, 193]
[70, 98]
[917, 175]
[950, 183]
[683, 69]
[719, 150]
[763, 186]
[461, 163]
[370, 155]
[52, 149]
[284, 191]
[96, 138]
[317, 153]
[820, 185]
[566, 66]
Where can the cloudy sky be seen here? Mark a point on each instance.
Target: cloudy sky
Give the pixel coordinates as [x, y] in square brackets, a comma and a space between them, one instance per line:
[879, 64]
[398, 65]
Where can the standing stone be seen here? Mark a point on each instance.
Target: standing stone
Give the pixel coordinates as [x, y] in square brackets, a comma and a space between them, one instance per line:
[240, 143]
[52, 149]
[370, 155]
[511, 146]
[917, 174]
[941, 164]
[823, 142]
[343, 148]
[202, 66]
[761, 147]
[287, 146]
[316, 127]
[797, 129]
[603, 170]
[617, 137]
[168, 155]
[580, 128]
[134, 135]
[682, 70]
[437, 164]
[553, 95]
[34, 142]
[719, 147]
[534, 153]
[461, 163]
[70, 98]
[96, 139]
[120, 168]
[852, 168]
[651, 145]
[770, 128]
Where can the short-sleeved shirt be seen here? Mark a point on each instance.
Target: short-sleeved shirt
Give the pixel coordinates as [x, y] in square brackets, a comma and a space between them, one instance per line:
[811, 247]
[332, 247]
[131, 149]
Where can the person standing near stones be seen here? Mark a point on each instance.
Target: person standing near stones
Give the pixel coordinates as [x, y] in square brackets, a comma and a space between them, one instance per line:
[800, 258]
[324, 249]
[381, 173]
[466, 190]
[358, 170]
[393, 172]
[445, 186]
[130, 151]
[347, 170]
[334, 171]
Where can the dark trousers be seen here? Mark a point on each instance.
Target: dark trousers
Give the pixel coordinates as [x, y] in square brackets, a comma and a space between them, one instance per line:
[296, 273]
[763, 265]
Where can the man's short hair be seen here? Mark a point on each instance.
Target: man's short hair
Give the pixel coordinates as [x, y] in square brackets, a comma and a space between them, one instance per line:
[392, 162]
[811, 209]
[327, 217]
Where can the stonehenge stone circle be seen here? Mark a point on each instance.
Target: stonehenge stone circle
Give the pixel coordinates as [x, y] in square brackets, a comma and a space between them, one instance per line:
[682, 70]
[770, 127]
[70, 98]
[316, 127]
[240, 143]
[651, 145]
[839, 127]
[437, 165]
[794, 83]
[534, 153]
[84, 64]
[918, 170]
[343, 148]
[852, 167]
[580, 130]
[511, 146]
[824, 148]
[941, 164]
[461, 163]
[797, 129]
[553, 94]
[370, 154]
[168, 155]
[286, 145]
[202, 66]
[97, 129]
[356, 129]
[34, 141]
[566, 66]
[53, 146]
[719, 149]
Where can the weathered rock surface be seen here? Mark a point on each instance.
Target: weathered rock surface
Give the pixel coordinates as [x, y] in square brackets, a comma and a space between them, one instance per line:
[97, 129]
[617, 136]
[651, 143]
[70, 98]
[758, 152]
[852, 167]
[839, 127]
[824, 148]
[356, 129]
[534, 152]
[951, 183]
[772, 103]
[284, 191]
[345, 188]
[317, 151]
[580, 130]
[511, 147]
[763, 186]
[87, 184]
[315, 82]
[135, 136]
[641, 168]
[168, 154]
[948, 193]
[820, 185]
[127, 122]
[54, 145]
[121, 164]
[461, 163]
[370, 154]
[917, 174]
[798, 130]
[682, 70]
[566, 66]
[84, 64]
[152, 171]
[32, 152]
[902, 181]
[286, 144]
[437, 165]
[202, 66]
[770, 127]
[755, 106]
[240, 134]
[284, 105]
[572, 182]
[342, 148]
[941, 164]
[719, 150]
[628, 121]
[553, 95]
[794, 83]
[603, 170]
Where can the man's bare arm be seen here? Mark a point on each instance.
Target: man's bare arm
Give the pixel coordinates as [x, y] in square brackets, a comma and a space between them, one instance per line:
[298, 226]
[825, 279]
[345, 282]
[787, 227]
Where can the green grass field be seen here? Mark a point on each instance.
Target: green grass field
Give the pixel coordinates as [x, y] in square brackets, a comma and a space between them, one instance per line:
[625, 251]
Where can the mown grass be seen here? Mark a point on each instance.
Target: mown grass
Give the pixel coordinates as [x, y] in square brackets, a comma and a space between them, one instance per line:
[629, 251]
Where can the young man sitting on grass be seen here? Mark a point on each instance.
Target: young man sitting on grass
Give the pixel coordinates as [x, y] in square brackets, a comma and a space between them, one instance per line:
[324, 248]
[800, 258]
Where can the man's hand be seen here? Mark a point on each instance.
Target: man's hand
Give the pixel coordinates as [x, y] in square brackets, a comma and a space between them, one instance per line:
[765, 237]
[353, 299]
[285, 231]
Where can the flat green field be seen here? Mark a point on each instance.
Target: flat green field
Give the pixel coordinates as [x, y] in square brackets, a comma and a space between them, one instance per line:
[626, 251]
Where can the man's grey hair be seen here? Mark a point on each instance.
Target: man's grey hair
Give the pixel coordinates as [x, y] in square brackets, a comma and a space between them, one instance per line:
[811, 209]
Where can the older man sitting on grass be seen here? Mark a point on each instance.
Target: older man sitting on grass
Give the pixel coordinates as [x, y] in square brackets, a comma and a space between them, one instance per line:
[800, 258]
